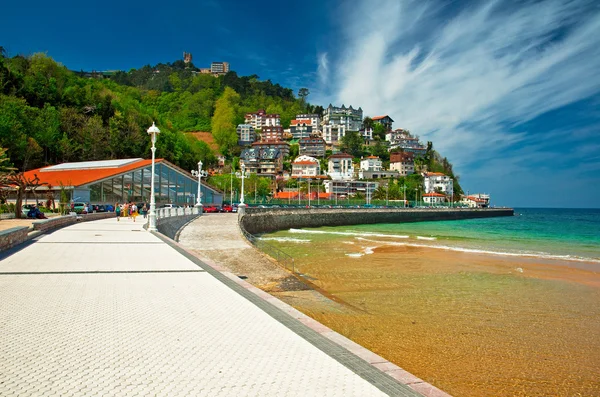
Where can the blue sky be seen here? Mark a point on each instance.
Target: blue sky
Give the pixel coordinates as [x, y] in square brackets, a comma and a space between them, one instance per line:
[508, 90]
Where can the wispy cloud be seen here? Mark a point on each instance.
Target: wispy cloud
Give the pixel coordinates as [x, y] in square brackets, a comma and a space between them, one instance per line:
[323, 68]
[467, 79]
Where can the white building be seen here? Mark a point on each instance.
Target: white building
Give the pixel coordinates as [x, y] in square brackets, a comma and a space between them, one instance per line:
[246, 134]
[434, 198]
[348, 117]
[435, 181]
[301, 129]
[315, 119]
[403, 162]
[476, 200]
[371, 163]
[340, 167]
[305, 167]
[350, 188]
[333, 134]
[260, 119]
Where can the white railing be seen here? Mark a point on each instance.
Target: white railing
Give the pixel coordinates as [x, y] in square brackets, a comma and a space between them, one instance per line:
[169, 212]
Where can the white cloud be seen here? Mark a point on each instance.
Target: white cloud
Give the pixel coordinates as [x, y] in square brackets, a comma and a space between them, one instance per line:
[323, 68]
[465, 79]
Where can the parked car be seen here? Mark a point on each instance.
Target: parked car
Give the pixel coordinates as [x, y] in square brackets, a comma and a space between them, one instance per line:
[99, 207]
[78, 208]
[170, 206]
[210, 209]
[227, 208]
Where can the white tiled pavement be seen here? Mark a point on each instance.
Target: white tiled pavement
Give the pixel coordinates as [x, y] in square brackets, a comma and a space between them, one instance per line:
[69, 332]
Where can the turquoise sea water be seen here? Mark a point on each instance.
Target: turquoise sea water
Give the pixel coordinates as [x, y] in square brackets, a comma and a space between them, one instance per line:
[565, 234]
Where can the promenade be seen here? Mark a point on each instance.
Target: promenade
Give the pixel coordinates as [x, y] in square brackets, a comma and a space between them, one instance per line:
[106, 308]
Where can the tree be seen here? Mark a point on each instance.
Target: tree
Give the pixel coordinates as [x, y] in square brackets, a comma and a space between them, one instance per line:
[302, 94]
[223, 122]
[22, 184]
[352, 143]
[368, 122]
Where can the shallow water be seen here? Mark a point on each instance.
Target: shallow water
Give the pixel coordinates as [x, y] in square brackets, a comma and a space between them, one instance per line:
[471, 324]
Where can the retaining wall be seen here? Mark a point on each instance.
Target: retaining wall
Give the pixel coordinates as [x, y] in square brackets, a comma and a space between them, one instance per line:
[171, 226]
[265, 220]
[13, 236]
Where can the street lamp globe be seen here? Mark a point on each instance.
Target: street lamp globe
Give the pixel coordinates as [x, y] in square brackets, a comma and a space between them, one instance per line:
[153, 131]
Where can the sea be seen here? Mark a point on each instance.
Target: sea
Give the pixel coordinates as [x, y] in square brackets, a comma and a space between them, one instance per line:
[548, 233]
[498, 307]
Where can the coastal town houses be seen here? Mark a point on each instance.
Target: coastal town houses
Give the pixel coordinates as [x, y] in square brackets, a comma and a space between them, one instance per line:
[438, 182]
[262, 161]
[333, 134]
[306, 167]
[246, 134]
[312, 146]
[301, 129]
[282, 146]
[371, 163]
[340, 167]
[366, 134]
[385, 121]
[477, 200]
[315, 119]
[271, 133]
[401, 140]
[260, 119]
[348, 117]
[434, 198]
[403, 162]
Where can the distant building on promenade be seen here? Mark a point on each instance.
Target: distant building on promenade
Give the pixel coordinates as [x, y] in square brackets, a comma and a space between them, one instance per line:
[122, 180]
[350, 188]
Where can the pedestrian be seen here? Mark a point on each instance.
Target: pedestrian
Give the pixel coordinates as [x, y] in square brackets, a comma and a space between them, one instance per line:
[118, 211]
[145, 211]
[134, 211]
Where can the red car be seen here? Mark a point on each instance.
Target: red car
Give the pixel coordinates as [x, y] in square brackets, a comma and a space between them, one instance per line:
[227, 208]
[210, 208]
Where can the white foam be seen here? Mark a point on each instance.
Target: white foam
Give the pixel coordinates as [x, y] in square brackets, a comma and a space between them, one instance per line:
[286, 239]
[301, 231]
[426, 238]
[542, 255]
[369, 250]
[355, 255]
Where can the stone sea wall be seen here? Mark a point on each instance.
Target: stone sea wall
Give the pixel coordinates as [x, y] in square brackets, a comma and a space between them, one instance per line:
[265, 220]
[171, 226]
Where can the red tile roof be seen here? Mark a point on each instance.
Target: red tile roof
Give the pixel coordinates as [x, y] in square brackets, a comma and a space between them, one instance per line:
[434, 194]
[84, 176]
[306, 162]
[295, 122]
[434, 174]
[285, 195]
[379, 117]
[341, 156]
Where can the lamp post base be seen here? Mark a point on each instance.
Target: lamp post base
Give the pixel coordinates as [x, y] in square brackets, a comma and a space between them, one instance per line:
[152, 223]
[242, 209]
[199, 208]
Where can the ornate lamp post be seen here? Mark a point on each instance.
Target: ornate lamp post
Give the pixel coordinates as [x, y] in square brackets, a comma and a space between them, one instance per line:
[153, 131]
[199, 174]
[242, 206]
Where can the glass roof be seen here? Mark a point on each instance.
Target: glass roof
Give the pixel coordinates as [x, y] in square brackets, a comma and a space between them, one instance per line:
[82, 165]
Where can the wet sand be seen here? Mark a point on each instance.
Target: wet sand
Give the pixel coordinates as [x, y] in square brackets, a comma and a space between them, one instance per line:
[471, 324]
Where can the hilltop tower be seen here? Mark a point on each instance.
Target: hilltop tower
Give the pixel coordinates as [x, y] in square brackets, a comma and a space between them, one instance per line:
[187, 57]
